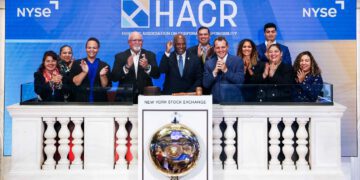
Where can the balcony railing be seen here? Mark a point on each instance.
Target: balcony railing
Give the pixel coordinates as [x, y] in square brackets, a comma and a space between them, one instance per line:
[249, 142]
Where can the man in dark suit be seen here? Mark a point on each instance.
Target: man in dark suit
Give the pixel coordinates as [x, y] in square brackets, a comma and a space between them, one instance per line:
[270, 32]
[226, 70]
[183, 72]
[203, 49]
[135, 66]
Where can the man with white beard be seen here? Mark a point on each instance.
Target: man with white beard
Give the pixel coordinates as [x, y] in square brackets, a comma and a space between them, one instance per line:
[135, 66]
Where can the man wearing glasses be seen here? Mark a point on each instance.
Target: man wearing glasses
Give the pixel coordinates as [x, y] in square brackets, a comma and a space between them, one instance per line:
[135, 66]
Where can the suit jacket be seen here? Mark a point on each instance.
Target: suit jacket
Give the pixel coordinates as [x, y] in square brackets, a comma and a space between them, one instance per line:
[43, 89]
[82, 92]
[143, 79]
[234, 75]
[286, 57]
[191, 78]
[194, 50]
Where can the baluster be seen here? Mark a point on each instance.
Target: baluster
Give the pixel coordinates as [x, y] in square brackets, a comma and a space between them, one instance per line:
[121, 148]
[134, 143]
[274, 149]
[78, 143]
[288, 149]
[302, 149]
[50, 148]
[230, 135]
[64, 146]
[217, 144]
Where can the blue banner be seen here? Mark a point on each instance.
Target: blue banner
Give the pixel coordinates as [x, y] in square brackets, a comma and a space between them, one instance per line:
[297, 20]
[34, 26]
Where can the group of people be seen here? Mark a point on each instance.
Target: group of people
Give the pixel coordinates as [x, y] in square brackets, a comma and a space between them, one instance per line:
[264, 71]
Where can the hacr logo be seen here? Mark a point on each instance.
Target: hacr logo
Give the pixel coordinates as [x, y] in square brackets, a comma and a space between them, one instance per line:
[135, 13]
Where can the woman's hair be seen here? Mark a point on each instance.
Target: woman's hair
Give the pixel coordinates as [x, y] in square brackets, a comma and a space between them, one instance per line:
[314, 69]
[64, 46]
[46, 54]
[254, 53]
[276, 45]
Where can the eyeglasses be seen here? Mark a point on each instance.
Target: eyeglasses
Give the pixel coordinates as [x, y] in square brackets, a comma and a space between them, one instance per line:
[136, 40]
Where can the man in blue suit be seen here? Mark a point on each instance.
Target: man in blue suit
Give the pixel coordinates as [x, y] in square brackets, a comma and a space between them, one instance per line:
[270, 32]
[225, 69]
[183, 72]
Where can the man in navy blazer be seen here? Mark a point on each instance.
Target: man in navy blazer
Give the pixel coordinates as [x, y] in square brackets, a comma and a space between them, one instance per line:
[223, 68]
[270, 32]
[183, 72]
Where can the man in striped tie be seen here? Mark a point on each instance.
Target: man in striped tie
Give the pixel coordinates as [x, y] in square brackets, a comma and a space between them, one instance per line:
[203, 49]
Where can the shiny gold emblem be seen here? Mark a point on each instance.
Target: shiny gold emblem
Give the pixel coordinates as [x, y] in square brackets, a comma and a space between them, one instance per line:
[174, 150]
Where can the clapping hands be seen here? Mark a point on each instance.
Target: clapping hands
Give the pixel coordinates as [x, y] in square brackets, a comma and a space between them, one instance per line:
[129, 61]
[220, 66]
[56, 78]
[300, 76]
[84, 66]
[143, 61]
[104, 71]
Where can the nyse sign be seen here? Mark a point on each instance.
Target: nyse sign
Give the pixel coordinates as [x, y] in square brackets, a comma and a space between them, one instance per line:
[37, 12]
[324, 12]
[205, 7]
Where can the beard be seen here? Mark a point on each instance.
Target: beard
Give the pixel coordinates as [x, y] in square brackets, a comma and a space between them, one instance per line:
[137, 48]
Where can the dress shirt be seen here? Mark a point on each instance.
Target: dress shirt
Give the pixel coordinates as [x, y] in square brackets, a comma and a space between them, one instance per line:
[136, 58]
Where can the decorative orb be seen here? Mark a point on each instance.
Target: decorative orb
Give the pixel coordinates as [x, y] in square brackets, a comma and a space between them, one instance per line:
[174, 150]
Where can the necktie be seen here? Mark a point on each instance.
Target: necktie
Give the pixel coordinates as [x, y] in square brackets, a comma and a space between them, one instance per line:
[181, 65]
[203, 54]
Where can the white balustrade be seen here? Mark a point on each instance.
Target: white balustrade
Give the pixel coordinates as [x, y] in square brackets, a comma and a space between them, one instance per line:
[50, 148]
[288, 149]
[274, 149]
[301, 149]
[78, 144]
[121, 142]
[217, 143]
[64, 146]
[134, 143]
[31, 141]
[230, 148]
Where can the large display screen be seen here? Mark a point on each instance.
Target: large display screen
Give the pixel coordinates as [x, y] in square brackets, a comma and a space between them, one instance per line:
[327, 28]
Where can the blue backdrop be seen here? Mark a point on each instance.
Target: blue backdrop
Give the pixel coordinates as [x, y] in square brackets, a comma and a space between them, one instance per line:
[34, 26]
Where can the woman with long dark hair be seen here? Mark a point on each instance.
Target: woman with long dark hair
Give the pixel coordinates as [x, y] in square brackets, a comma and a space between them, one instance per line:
[253, 69]
[308, 77]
